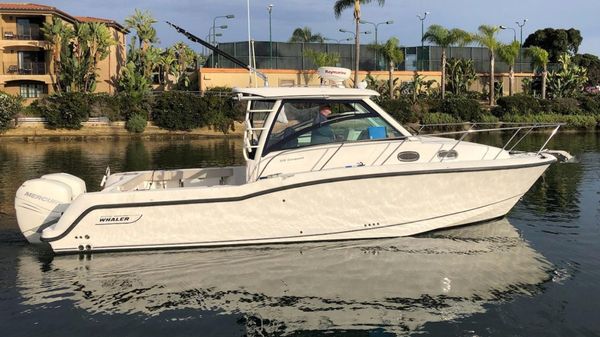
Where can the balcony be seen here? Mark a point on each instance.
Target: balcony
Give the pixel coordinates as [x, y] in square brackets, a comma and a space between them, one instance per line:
[28, 35]
[26, 68]
[22, 37]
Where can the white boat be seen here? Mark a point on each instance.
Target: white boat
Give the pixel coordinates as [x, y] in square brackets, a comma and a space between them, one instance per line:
[355, 174]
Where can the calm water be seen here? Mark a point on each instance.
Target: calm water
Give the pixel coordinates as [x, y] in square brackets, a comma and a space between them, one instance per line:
[536, 273]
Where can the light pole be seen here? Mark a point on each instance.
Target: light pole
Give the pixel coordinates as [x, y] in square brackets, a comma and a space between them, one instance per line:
[228, 16]
[212, 34]
[270, 9]
[207, 38]
[354, 34]
[422, 18]
[353, 38]
[376, 25]
[514, 31]
[521, 43]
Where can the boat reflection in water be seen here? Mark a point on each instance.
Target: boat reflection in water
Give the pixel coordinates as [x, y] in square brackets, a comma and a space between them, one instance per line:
[397, 284]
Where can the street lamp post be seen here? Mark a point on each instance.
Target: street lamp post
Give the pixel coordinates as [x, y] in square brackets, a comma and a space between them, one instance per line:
[376, 25]
[213, 34]
[229, 16]
[521, 43]
[354, 34]
[514, 31]
[270, 9]
[353, 38]
[422, 18]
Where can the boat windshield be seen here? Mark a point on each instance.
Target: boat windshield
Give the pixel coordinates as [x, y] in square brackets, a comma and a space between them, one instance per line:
[302, 123]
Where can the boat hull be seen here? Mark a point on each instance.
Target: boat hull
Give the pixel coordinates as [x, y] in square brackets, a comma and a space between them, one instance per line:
[360, 203]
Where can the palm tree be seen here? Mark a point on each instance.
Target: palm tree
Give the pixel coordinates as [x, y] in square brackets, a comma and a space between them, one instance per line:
[305, 35]
[539, 58]
[486, 37]
[392, 54]
[57, 34]
[445, 38]
[338, 8]
[168, 65]
[98, 40]
[142, 22]
[509, 54]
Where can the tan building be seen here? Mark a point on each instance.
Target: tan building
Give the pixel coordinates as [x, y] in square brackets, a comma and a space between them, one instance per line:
[27, 58]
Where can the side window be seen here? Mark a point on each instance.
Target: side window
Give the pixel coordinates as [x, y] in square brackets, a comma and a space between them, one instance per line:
[306, 123]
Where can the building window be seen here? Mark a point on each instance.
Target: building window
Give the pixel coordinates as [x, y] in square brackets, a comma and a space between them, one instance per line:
[32, 90]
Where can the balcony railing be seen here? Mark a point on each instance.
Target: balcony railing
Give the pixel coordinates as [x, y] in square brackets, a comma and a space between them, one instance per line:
[30, 33]
[28, 68]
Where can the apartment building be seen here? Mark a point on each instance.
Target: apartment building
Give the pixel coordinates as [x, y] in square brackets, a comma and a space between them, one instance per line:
[26, 57]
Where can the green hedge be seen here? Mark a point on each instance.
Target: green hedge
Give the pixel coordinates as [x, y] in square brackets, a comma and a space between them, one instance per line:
[176, 110]
[66, 110]
[465, 109]
[401, 109]
[572, 121]
[223, 110]
[528, 105]
[517, 104]
[9, 107]
[439, 118]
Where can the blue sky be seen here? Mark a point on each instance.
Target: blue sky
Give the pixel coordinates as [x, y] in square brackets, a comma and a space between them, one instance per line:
[197, 17]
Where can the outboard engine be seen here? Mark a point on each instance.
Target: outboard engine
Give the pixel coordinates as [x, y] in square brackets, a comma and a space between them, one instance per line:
[40, 203]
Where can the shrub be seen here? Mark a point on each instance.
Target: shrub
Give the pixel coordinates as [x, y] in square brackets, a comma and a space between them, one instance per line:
[517, 104]
[487, 118]
[134, 104]
[65, 110]
[32, 109]
[105, 105]
[222, 110]
[439, 118]
[426, 105]
[176, 110]
[9, 107]
[590, 105]
[565, 106]
[136, 124]
[464, 109]
[572, 121]
[401, 109]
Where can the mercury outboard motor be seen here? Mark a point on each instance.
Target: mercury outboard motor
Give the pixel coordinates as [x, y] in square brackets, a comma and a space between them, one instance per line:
[40, 203]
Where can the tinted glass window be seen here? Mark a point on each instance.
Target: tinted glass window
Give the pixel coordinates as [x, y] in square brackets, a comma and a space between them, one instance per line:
[306, 123]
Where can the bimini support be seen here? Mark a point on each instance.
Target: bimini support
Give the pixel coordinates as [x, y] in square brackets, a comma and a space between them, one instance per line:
[196, 39]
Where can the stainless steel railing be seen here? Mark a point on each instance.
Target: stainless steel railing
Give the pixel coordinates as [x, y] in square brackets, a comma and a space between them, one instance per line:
[521, 129]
